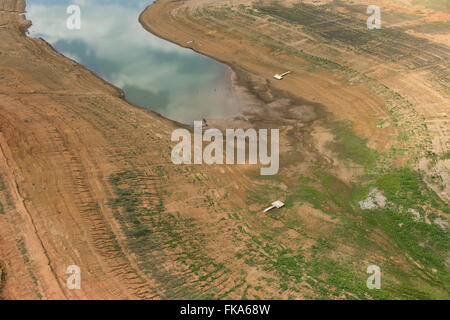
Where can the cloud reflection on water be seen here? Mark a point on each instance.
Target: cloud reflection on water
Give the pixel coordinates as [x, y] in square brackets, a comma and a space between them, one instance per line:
[153, 73]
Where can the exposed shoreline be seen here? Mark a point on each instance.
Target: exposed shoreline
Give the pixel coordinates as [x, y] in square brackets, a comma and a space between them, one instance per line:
[245, 98]
[254, 103]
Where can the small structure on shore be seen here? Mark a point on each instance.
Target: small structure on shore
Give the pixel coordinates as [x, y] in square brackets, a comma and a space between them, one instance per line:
[277, 204]
[280, 76]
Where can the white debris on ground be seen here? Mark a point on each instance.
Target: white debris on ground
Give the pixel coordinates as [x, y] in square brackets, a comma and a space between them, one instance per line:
[416, 214]
[441, 223]
[374, 200]
[277, 204]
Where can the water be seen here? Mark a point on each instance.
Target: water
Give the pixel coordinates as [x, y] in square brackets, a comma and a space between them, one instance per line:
[155, 74]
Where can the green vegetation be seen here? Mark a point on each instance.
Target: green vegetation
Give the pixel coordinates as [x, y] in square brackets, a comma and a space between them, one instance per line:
[391, 44]
[153, 233]
[2, 188]
[26, 259]
[221, 14]
[306, 193]
[434, 4]
[445, 156]
[426, 245]
[23, 250]
[406, 188]
[424, 273]
[352, 238]
[349, 146]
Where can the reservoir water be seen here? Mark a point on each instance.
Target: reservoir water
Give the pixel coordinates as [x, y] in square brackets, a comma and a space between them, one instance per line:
[153, 73]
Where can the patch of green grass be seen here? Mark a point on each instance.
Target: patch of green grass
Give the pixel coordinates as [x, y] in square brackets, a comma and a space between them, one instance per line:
[220, 14]
[155, 236]
[434, 4]
[425, 244]
[445, 156]
[305, 180]
[349, 146]
[402, 186]
[405, 187]
[23, 250]
[306, 193]
[335, 277]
